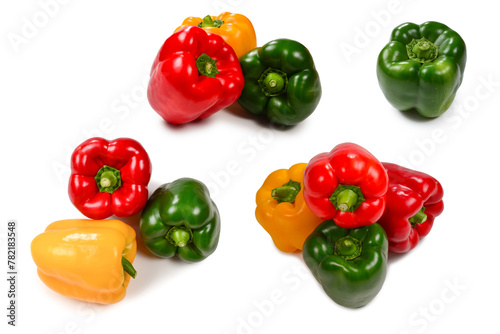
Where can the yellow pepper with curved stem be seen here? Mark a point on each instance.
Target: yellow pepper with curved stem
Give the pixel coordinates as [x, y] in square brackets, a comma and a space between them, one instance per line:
[235, 29]
[282, 211]
[89, 260]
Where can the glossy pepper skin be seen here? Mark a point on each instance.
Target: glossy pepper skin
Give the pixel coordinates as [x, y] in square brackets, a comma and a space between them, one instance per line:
[180, 219]
[347, 185]
[282, 210]
[414, 200]
[281, 82]
[350, 264]
[422, 67]
[88, 260]
[109, 177]
[236, 30]
[194, 75]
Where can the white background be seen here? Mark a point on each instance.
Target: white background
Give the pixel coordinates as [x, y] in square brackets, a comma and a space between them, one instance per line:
[83, 71]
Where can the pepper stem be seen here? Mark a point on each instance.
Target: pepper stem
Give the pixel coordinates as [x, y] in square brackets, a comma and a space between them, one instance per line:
[422, 50]
[108, 179]
[179, 236]
[206, 66]
[273, 82]
[419, 218]
[347, 197]
[129, 268]
[208, 22]
[348, 247]
[287, 192]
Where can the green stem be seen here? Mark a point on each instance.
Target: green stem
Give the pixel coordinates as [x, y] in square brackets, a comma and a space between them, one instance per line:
[108, 179]
[207, 66]
[179, 236]
[287, 192]
[347, 197]
[208, 22]
[419, 218]
[422, 50]
[348, 247]
[273, 82]
[128, 268]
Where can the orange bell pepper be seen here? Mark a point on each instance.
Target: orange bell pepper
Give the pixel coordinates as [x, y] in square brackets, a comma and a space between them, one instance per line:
[282, 211]
[235, 29]
[89, 260]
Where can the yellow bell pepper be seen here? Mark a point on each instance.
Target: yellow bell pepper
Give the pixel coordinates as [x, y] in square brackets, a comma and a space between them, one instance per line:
[235, 29]
[282, 211]
[89, 260]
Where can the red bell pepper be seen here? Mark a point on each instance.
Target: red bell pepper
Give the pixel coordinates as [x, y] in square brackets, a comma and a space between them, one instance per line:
[414, 200]
[109, 177]
[194, 75]
[347, 185]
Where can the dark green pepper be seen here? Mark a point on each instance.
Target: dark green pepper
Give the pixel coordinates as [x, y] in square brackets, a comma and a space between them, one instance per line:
[422, 67]
[281, 82]
[180, 219]
[350, 264]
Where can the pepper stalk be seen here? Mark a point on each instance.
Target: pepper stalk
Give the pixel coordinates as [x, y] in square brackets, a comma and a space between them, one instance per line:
[273, 82]
[179, 236]
[422, 50]
[347, 198]
[208, 22]
[206, 65]
[287, 192]
[108, 179]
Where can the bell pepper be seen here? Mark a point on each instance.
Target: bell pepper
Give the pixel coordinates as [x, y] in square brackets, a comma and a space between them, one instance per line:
[180, 219]
[347, 185]
[350, 264]
[89, 260]
[194, 75]
[414, 200]
[282, 211]
[422, 67]
[235, 29]
[281, 82]
[109, 177]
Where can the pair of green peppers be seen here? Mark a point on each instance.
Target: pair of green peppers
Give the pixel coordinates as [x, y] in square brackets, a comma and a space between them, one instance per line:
[420, 69]
[181, 220]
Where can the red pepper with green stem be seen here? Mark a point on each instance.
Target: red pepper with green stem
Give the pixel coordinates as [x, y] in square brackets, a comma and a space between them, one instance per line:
[347, 185]
[414, 200]
[109, 177]
[194, 75]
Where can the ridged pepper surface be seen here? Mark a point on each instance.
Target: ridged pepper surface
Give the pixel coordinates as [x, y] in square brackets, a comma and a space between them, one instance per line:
[422, 67]
[282, 211]
[414, 199]
[180, 219]
[350, 264]
[88, 260]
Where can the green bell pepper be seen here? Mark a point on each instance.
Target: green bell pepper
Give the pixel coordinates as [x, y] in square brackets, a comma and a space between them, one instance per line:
[281, 82]
[350, 264]
[180, 219]
[422, 67]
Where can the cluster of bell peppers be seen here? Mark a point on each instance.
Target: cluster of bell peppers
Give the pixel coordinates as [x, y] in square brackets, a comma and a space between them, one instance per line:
[209, 63]
[345, 210]
[91, 259]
